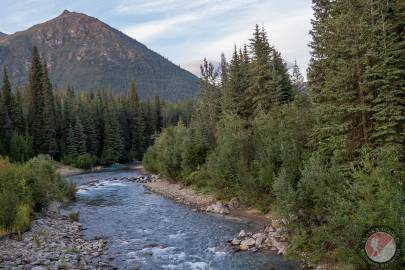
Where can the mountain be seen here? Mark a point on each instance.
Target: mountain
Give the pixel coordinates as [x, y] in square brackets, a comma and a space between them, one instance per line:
[88, 54]
[2, 35]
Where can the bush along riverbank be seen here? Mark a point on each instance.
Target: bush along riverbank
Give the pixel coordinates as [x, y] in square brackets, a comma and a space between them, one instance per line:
[29, 188]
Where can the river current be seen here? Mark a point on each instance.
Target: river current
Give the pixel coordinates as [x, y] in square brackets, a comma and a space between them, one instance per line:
[148, 231]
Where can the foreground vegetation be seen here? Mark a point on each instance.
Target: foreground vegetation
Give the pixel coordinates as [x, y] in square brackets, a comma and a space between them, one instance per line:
[27, 188]
[328, 157]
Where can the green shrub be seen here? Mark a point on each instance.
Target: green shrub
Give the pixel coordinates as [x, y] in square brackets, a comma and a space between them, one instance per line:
[228, 166]
[14, 197]
[166, 155]
[44, 182]
[28, 186]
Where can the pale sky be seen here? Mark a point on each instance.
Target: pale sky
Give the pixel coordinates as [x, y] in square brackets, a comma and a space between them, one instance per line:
[184, 31]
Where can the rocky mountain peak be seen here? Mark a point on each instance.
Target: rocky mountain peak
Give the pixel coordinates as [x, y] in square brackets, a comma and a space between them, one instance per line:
[86, 53]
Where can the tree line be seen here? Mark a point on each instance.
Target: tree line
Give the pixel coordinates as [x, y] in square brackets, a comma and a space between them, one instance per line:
[79, 128]
[327, 155]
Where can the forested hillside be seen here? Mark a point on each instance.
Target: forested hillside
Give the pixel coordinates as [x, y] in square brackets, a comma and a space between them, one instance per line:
[79, 128]
[329, 160]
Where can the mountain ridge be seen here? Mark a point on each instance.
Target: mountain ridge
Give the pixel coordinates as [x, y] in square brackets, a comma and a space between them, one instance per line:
[88, 54]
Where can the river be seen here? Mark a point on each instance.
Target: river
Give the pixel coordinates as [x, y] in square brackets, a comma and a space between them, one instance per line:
[148, 231]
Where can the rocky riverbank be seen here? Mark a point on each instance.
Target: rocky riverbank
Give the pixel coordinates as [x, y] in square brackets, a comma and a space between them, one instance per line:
[53, 242]
[270, 237]
[179, 192]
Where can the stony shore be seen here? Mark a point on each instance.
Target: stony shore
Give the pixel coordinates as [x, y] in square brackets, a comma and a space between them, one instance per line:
[270, 237]
[53, 242]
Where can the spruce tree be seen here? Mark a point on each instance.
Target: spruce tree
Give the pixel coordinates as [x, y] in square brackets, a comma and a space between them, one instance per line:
[37, 102]
[136, 124]
[80, 137]
[113, 147]
[282, 86]
[337, 77]
[147, 114]
[297, 79]
[385, 77]
[6, 128]
[261, 91]
[7, 96]
[224, 70]
[234, 100]
[158, 118]
[19, 120]
[48, 125]
[71, 145]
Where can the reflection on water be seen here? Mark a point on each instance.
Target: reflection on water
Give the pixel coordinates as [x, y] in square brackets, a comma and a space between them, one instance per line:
[146, 230]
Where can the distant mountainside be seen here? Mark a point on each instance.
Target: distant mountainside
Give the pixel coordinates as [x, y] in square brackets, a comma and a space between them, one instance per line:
[88, 54]
[2, 34]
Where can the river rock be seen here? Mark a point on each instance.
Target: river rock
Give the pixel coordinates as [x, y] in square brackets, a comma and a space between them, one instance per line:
[259, 239]
[269, 229]
[246, 244]
[38, 268]
[235, 241]
[233, 203]
[218, 208]
[242, 234]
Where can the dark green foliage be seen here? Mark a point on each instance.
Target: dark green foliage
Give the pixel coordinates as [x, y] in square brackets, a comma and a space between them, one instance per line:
[20, 148]
[136, 125]
[6, 95]
[80, 138]
[386, 74]
[261, 92]
[113, 147]
[71, 146]
[281, 80]
[48, 121]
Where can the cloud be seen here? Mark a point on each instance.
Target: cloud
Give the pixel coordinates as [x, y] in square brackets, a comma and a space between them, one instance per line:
[184, 18]
[135, 7]
[150, 30]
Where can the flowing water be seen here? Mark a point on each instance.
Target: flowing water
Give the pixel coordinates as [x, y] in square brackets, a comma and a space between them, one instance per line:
[151, 232]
